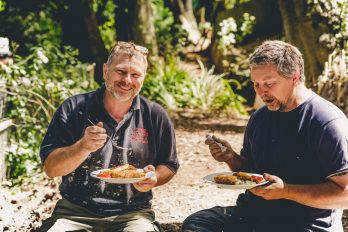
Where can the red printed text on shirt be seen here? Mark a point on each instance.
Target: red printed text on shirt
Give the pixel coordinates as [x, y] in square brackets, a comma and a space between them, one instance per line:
[139, 135]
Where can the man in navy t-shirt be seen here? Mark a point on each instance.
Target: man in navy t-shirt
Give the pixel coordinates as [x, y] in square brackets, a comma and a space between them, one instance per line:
[86, 134]
[299, 141]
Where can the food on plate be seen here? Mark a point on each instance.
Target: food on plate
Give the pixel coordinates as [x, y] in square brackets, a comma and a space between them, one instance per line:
[226, 179]
[123, 171]
[238, 178]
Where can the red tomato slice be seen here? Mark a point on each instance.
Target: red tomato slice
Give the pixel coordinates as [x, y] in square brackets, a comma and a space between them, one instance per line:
[104, 175]
[258, 179]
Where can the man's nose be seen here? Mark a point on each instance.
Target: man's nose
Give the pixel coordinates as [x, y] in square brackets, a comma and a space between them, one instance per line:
[127, 78]
[260, 90]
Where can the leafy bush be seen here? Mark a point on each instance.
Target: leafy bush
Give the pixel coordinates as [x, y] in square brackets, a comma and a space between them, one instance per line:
[105, 11]
[335, 14]
[235, 58]
[36, 85]
[206, 92]
[333, 82]
[170, 37]
[232, 32]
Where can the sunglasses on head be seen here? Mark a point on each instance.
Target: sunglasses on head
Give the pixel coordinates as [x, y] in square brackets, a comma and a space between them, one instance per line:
[122, 44]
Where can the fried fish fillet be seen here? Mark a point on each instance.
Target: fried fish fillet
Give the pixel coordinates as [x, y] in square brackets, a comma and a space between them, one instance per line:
[126, 171]
[127, 174]
[226, 179]
[243, 175]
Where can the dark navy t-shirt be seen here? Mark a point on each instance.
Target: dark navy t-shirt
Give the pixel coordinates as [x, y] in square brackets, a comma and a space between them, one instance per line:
[146, 129]
[303, 146]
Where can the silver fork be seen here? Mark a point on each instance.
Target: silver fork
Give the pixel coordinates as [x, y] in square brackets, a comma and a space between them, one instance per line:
[96, 125]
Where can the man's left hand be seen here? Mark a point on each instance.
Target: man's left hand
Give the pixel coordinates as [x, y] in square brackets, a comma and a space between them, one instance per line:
[147, 184]
[275, 189]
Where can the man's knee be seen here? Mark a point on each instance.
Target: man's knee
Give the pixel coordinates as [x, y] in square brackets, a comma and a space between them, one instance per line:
[204, 220]
[143, 220]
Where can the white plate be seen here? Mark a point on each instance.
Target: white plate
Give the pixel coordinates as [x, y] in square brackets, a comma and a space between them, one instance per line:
[122, 180]
[210, 179]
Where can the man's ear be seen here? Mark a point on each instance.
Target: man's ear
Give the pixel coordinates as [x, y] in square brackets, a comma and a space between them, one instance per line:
[105, 71]
[296, 78]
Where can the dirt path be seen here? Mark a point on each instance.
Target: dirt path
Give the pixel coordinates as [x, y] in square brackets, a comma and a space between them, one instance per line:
[23, 210]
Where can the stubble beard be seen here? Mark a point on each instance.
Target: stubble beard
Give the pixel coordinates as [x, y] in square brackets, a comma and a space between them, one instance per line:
[120, 97]
[278, 106]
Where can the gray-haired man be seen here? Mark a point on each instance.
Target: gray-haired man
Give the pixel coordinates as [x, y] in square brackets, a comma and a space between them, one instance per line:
[299, 141]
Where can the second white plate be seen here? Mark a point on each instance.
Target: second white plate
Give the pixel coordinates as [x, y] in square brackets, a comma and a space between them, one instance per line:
[210, 179]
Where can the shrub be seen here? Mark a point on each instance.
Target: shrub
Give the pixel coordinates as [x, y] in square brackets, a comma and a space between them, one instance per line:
[35, 86]
[205, 92]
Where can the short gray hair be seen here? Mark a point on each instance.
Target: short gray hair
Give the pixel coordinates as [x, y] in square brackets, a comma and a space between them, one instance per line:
[284, 56]
[129, 51]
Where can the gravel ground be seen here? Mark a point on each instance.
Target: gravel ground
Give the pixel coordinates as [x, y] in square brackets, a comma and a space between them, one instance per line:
[24, 209]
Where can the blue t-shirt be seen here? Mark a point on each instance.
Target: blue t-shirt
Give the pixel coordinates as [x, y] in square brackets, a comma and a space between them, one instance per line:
[146, 129]
[303, 146]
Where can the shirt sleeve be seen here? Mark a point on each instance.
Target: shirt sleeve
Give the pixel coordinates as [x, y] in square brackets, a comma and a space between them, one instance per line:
[165, 137]
[58, 135]
[332, 147]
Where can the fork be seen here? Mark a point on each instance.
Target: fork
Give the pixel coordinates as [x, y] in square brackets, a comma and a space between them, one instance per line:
[96, 125]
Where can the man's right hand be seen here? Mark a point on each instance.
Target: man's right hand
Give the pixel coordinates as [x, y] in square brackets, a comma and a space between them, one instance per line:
[216, 151]
[94, 137]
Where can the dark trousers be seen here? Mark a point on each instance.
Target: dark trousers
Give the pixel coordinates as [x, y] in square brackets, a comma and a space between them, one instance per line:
[217, 219]
[232, 219]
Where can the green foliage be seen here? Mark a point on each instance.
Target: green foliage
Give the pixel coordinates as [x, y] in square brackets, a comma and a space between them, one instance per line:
[333, 82]
[2, 5]
[38, 28]
[107, 22]
[32, 26]
[237, 63]
[230, 33]
[213, 93]
[170, 37]
[335, 71]
[205, 92]
[35, 86]
[335, 14]
[229, 4]
[170, 83]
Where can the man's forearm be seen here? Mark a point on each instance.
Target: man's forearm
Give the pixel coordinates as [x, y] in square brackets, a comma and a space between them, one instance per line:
[65, 160]
[237, 163]
[327, 195]
[164, 174]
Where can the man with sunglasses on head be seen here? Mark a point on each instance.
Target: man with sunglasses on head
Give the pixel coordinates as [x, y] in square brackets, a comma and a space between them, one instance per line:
[299, 141]
[84, 136]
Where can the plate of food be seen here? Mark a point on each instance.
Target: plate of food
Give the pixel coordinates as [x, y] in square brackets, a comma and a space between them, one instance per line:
[125, 174]
[235, 180]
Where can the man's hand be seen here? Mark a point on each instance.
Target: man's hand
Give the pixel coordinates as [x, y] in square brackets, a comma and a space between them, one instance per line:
[147, 184]
[216, 151]
[277, 189]
[94, 137]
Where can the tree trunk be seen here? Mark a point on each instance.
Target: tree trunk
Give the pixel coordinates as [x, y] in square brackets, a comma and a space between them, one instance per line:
[80, 30]
[301, 32]
[188, 20]
[135, 22]
[123, 19]
[183, 13]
